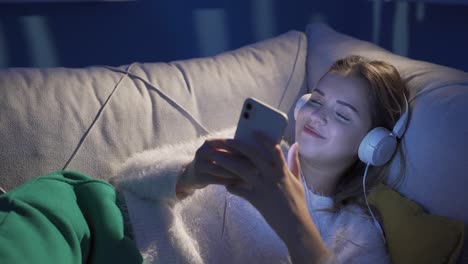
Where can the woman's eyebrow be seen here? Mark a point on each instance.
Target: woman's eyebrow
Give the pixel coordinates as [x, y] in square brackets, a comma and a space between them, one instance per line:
[340, 102]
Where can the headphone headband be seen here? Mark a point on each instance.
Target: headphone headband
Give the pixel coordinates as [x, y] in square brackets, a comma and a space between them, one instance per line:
[400, 126]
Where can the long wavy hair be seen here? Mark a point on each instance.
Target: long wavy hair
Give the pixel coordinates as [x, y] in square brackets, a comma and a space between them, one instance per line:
[386, 96]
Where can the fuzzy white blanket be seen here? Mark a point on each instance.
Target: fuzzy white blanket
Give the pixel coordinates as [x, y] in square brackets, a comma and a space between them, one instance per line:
[168, 230]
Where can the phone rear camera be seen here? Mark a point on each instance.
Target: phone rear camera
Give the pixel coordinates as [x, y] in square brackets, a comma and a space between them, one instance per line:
[246, 115]
[249, 106]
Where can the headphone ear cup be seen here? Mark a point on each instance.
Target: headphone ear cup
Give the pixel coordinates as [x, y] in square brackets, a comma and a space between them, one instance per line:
[377, 147]
[300, 103]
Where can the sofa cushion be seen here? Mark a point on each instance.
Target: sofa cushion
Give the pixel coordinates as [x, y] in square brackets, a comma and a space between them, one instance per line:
[51, 117]
[414, 236]
[435, 141]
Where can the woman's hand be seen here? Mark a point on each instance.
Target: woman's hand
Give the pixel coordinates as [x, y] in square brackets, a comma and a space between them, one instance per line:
[269, 183]
[274, 188]
[203, 170]
[261, 175]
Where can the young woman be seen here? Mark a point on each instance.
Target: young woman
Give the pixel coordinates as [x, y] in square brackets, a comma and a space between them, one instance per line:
[305, 206]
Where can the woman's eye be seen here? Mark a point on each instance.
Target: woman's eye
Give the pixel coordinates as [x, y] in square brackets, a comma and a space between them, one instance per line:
[314, 102]
[342, 117]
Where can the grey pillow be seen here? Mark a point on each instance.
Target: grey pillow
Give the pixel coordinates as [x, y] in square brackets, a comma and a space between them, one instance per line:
[436, 139]
[45, 114]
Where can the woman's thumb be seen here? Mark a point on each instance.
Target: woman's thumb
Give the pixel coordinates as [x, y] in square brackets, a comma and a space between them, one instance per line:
[293, 160]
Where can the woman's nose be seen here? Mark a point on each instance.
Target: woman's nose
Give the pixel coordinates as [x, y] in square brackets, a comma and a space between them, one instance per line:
[319, 116]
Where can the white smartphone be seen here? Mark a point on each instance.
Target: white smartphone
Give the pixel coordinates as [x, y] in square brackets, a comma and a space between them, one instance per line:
[257, 115]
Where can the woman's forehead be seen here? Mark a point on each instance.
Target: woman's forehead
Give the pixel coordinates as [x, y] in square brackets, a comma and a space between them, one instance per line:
[350, 89]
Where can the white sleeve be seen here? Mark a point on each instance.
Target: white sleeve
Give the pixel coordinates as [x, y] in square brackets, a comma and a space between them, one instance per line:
[358, 241]
[153, 174]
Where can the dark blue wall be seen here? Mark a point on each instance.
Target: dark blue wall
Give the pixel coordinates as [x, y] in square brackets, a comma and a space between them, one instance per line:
[116, 33]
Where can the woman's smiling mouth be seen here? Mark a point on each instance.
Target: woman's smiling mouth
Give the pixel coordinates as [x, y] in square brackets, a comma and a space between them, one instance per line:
[312, 132]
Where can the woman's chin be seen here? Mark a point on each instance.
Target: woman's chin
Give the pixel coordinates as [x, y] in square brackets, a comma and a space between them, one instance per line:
[310, 152]
[310, 141]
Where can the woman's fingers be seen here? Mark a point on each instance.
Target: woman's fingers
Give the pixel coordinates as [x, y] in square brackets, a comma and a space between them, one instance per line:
[250, 163]
[264, 156]
[216, 179]
[234, 163]
[213, 168]
[293, 160]
[241, 190]
[213, 172]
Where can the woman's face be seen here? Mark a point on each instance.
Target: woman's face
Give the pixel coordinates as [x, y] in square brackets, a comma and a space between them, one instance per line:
[330, 127]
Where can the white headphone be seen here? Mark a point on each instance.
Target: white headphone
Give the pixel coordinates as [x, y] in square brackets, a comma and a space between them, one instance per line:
[378, 146]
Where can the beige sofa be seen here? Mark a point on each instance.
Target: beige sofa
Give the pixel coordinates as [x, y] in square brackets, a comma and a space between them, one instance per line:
[92, 119]
[49, 116]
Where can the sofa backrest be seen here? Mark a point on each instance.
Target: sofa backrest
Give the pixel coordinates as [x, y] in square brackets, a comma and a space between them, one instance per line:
[57, 116]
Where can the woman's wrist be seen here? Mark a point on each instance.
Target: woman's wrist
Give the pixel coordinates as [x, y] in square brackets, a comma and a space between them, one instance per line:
[182, 188]
[186, 183]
